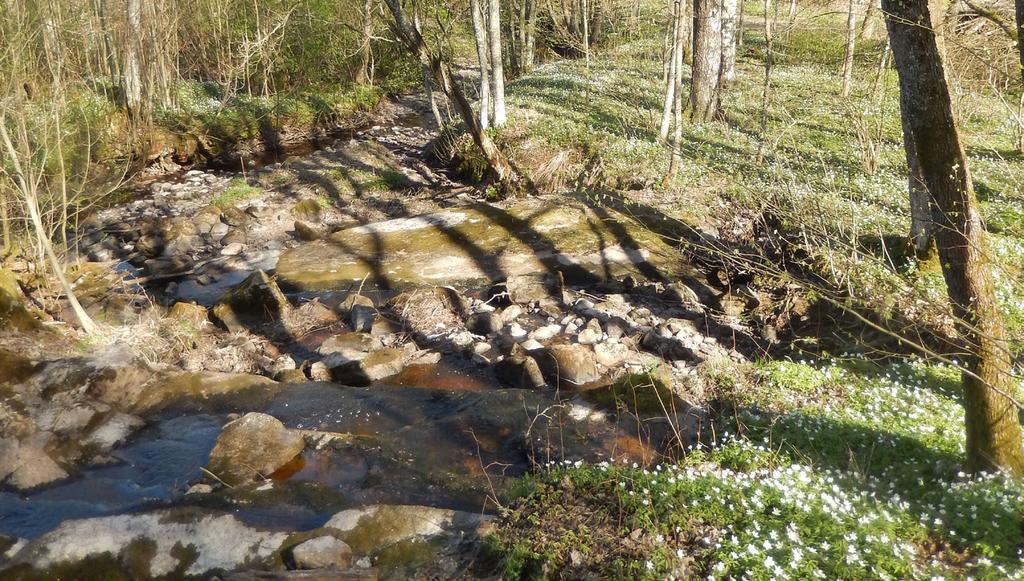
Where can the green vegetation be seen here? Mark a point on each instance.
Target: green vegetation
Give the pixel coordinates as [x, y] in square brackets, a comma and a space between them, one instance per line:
[238, 190]
[840, 470]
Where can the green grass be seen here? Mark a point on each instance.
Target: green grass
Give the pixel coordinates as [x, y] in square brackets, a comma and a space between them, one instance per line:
[237, 190]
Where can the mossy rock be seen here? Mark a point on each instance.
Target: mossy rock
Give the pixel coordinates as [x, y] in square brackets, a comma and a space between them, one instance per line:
[13, 314]
[482, 244]
[645, 394]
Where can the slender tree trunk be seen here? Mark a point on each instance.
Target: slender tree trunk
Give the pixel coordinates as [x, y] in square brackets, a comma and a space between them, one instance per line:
[739, 23]
[769, 61]
[411, 37]
[480, 34]
[851, 44]
[677, 134]
[586, 31]
[728, 70]
[497, 68]
[529, 47]
[673, 57]
[993, 427]
[707, 60]
[428, 87]
[792, 10]
[363, 72]
[867, 28]
[1019, 21]
[133, 59]
[27, 185]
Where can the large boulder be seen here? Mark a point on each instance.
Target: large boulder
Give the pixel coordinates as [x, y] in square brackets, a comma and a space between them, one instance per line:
[13, 314]
[253, 446]
[372, 528]
[568, 365]
[165, 544]
[252, 303]
[374, 366]
[482, 243]
[26, 465]
[322, 553]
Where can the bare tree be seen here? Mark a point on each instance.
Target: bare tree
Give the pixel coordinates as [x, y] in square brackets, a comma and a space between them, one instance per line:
[497, 70]
[769, 62]
[1019, 21]
[27, 183]
[673, 63]
[993, 426]
[480, 35]
[729, 23]
[707, 60]
[851, 43]
[363, 72]
[133, 58]
[409, 34]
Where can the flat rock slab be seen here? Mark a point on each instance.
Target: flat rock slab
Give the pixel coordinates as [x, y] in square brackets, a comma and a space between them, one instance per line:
[481, 243]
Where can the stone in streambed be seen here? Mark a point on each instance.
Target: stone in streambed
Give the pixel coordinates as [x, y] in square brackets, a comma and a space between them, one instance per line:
[254, 301]
[374, 366]
[253, 446]
[568, 365]
[322, 553]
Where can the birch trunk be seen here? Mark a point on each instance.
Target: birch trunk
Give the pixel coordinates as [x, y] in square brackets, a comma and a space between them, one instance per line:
[480, 34]
[707, 60]
[675, 47]
[851, 43]
[133, 58]
[497, 68]
[729, 8]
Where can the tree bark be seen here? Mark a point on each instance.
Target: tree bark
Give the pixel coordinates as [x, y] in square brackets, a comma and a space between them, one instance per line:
[993, 427]
[674, 57]
[922, 228]
[480, 35]
[411, 37]
[363, 73]
[707, 60]
[497, 68]
[851, 44]
[133, 59]
[530, 39]
[1019, 20]
[729, 9]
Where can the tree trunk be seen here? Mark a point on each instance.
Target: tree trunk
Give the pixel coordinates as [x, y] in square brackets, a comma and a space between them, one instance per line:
[675, 46]
[497, 68]
[411, 37]
[728, 72]
[993, 427]
[133, 59]
[530, 59]
[586, 31]
[707, 60]
[769, 61]
[480, 34]
[739, 22]
[792, 10]
[922, 229]
[1019, 14]
[363, 73]
[851, 43]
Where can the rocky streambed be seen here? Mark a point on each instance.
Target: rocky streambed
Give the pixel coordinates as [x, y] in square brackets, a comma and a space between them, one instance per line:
[340, 363]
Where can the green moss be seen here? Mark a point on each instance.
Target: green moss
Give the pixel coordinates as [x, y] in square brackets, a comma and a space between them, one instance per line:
[238, 190]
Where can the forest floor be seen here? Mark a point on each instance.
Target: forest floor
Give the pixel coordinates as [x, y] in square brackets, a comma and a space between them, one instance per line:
[624, 378]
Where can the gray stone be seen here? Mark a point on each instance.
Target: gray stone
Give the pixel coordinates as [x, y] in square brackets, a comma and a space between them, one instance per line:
[305, 232]
[232, 249]
[591, 333]
[484, 323]
[359, 311]
[26, 465]
[520, 371]
[322, 553]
